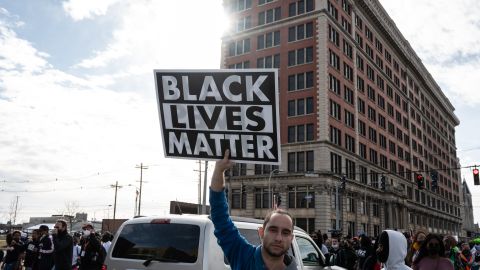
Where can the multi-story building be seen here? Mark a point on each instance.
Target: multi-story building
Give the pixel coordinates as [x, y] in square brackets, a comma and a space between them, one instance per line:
[469, 228]
[355, 102]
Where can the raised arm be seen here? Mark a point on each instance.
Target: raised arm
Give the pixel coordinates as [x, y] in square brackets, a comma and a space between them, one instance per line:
[218, 179]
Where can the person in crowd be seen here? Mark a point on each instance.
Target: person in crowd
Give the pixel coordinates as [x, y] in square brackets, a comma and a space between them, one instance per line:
[45, 249]
[466, 257]
[364, 251]
[346, 256]
[63, 243]
[76, 251]
[452, 251]
[371, 262]
[15, 252]
[107, 238]
[392, 249]
[91, 255]
[430, 256]
[319, 242]
[333, 250]
[276, 233]
[418, 239]
[31, 252]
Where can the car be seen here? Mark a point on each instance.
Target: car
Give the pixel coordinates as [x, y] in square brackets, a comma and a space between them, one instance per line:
[187, 242]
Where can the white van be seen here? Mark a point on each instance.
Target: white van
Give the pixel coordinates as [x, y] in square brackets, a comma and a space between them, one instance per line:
[187, 242]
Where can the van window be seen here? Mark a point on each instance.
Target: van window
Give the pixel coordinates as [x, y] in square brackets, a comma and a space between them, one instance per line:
[170, 242]
[308, 252]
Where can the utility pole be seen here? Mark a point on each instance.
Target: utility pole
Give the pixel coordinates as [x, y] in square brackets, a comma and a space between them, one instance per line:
[141, 167]
[116, 186]
[15, 213]
[204, 204]
[199, 209]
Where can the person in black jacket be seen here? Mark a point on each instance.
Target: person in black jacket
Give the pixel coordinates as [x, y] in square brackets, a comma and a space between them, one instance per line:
[15, 252]
[45, 249]
[91, 254]
[63, 244]
[31, 252]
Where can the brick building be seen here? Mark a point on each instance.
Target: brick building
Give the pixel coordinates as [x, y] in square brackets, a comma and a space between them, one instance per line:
[355, 101]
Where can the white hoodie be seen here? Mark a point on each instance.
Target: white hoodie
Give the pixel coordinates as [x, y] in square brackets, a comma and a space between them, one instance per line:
[397, 250]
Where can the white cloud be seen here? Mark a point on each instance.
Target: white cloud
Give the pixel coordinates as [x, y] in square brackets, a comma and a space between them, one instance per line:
[56, 125]
[87, 9]
[156, 34]
[445, 34]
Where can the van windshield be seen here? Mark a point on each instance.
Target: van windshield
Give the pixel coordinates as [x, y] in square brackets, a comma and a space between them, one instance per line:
[169, 242]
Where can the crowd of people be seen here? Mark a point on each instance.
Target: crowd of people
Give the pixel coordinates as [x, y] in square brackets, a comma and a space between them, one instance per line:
[422, 251]
[55, 250]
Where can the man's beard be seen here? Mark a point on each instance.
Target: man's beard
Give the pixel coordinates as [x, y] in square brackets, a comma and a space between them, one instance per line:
[275, 254]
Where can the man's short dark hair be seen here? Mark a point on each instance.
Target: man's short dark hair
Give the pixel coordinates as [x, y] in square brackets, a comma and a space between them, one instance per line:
[43, 228]
[17, 232]
[276, 211]
[63, 221]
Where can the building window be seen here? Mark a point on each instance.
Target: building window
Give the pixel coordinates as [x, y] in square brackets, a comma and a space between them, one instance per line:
[347, 72]
[335, 110]
[300, 7]
[348, 94]
[239, 198]
[301, 161]
[272, 61]
[332, 10]
[334, 59]
[261, 198]
[239, 5]
[336, 163]
[300, 81]
[300, 56]
[300, 32]
[334, 84]
[301, 197]
[362, 128]
[350, 169]
[239, 47]
[243, 23]
[363, 174]
[335, 136]
[349, 143]
[307, 224]
[268, 40]
[351, 205]
[349, 119]
[351, 228]
[269, 16]
[347, 49]
[333, 35]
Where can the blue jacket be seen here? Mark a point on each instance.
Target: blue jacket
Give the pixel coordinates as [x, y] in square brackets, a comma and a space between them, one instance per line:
[239, 252]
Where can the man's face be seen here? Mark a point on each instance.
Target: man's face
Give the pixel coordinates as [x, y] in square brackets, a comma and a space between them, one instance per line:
[16, 236]
[34, 235]
[335, 243]
[277, 235]
[59, 227]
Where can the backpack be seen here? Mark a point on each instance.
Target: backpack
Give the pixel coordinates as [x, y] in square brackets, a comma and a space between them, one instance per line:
[102, 254]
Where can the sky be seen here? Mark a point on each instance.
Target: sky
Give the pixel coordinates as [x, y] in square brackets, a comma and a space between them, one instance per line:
[77, 95]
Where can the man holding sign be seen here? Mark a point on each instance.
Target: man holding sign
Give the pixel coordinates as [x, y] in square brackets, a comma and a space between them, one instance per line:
[276, 232]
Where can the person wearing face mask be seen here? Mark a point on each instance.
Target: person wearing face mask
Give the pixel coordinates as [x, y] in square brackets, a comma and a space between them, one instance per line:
[45, 249]
[392, 249]
[412, 254]
[63, 244]
[430, 256]
[91, 253]
[466, 257]
[333, 250]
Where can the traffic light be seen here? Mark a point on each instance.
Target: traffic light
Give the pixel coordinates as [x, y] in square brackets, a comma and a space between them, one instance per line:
[420, 181]
[279, 200]
[382, 182]
[476, 181]
[344, 182]
[434, 176]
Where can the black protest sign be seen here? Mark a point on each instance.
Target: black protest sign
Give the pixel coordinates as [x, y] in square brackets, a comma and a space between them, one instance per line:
[204, 112]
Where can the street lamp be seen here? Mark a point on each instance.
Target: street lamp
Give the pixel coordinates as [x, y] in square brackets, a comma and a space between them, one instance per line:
[269, 188]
